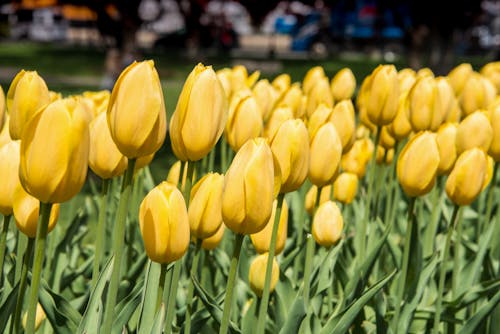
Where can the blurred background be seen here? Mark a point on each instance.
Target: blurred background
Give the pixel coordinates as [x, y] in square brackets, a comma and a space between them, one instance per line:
[84, 44]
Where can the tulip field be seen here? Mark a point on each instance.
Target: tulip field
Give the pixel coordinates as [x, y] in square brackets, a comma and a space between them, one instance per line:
[334, 204]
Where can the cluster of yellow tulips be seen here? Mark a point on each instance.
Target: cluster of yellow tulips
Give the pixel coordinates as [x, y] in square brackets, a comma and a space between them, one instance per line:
[317, 181]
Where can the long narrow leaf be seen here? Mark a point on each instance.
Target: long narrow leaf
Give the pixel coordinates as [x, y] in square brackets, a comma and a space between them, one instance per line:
[473, 323]
[8, 307]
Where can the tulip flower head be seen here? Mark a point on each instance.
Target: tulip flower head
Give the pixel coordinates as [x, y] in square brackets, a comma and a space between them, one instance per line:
[382, 95]
[327, 224]
[213, 241]
[257, 274]
[325, 155]
[474, 130]
[345, 187]
[262, 239]
[343, 85]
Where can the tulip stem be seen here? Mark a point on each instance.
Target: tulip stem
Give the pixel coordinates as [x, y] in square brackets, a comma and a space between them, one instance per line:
[101, 231]
[431, 229]
[189, 298]
[161, 285]
[41, 237]
[22, 286]
[269, 267]
[489, 205]
[404, 266]
[308, 268]
[223, 155]
[118, 241]
[442, 270]
[172, 294]
[233, 271]
[3, 244]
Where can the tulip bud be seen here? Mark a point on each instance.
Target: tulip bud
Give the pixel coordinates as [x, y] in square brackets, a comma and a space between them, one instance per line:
[248, 194]
[244, 121]
[57, 174]
[400, 127]
[266, 97]
[290, 146]
[325, 155]
[9, 169]
[240, 80]
[293, 99]
[104, 157]
[492, 72]
[40, 316]
[425, 73]
[327, 224]
[174, 172]
[455, 113]
[200, 115]
[319, 117]
[458, 76]
[204, 210]
[418, 163]
[357, 158]
[446, 98]
[446, 139]
[345, 123]
[478, 93]
[406, 79]
[213, 241]
[474, 130]
[319, 93]
[224, 76]
[27, 94]
[345, 187]
[278, 116]
[343, 85]
[494, 149]
[136, 112]
[467, 177]
[313, 75]
[383, 95]
[262, 239]
[425, 112]
[282, 83]
[257, 274]
[164, 223]
[312, 197]
[26, 210]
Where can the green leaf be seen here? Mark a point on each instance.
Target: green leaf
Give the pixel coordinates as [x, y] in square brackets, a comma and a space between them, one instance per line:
[150, 292]
[339, 324]
[295, 316]
[199, 321]
[473, 323]
[284, 294]
[158, 321]
[473, 294]
[91, 319]
[322, 274]
[127, 307]
[249, 320]
[8, 307]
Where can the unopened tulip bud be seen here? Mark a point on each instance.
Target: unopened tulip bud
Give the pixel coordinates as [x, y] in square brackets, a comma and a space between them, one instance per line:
[224, 76]
[400, 127]
[312, 76]
[458, 76]
[474, 130]
[319, 93]
[278, 116]
[266, 96]
[27, 94]
[213, 241]
[492, 72]
[467, 177]
[293, 99]
[247, 198]
[312, 197]
[406, 79]
[164, 223]
[343, 85]
[345, 123]
[478, 93]
[262, 240]
[282, 83]
[425, 111]
[418, 163]
[327, 224]
[425, 73]
[446, 139]
[257, 274]
[383, 95]
[358, 157]
[345, 187]
[325, 155]
[9, 170]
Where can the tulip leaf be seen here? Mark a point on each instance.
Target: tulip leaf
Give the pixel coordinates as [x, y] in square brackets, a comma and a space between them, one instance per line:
[295, 316]
[473, 294]
[91, 319]
[249, 320]
[477, 319]
[340, 323]
[127, 307]
[159, 320]
[149, 291]
[8, 307]
[199, 321]
[322, 274]
[284, 295]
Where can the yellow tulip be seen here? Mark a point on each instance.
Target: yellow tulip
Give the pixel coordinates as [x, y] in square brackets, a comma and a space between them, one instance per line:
[136, 112]
[89, 106]
[384, 155]
[164, 223]
[474, 130]
[312, 197]
[492, 72]
[447, 99]
[257, 274]
[54, 96]
[400, 127]
[357, 158]
[247, 198]
[262, 239]
[319, 117]
[290, 146]
[345, 187]
[312, 76]
[325, 155]
[241, 80]
[387, 141]
[278, 116]
[327, 224]
[344, 120]
[282, 83]
[382, 95]
[205, 206]
[200, 115]
[425, 73]
[214, 241]
[466, 179]
[293, 99]
[174, 172]
[266, 96]
[458, 76]
[40, 316]
[55, 152]
[319, 93]
[446, 139]
[26, 210]
[455, 113]
[490, 168]
[27, 94]
[406, 79]
[494, 149]
[343, 85]
[224, 76]
[478, 93]
[244, 121]
[425, 112]
[418, 163]
[104, 157]
[9, 169]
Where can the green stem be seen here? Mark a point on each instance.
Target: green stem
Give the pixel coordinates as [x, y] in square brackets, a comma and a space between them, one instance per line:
[211, 160]
[3, 244]
[404, 266]
[364, 223]
[134, 213]
[161, 285]
[174, 283]
[442, 270]
[233, 271]
[189, 298]
[28, 254]
[300, 232]
[223, 154]
[101, 231]
[431, 229]
[22, 241]
[308, 268]
[118, 243]
[269, 267]
[41, 237]
[489, 205]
